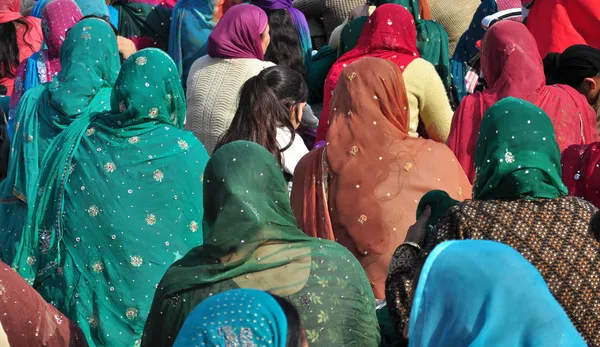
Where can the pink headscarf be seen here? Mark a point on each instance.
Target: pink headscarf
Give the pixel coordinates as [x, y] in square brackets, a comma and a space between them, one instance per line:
[10, 10]
[238, 34]
[58, 16]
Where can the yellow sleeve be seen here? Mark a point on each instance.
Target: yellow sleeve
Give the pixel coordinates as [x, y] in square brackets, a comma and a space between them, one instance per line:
[434, 107]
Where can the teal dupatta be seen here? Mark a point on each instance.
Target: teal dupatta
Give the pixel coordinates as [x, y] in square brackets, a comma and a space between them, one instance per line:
[90, 65]
[118, 201]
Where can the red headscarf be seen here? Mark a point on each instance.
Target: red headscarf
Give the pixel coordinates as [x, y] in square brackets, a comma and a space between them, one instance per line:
[10, 10]
[559, 24]
[512, 66]
[390, 34]
[581, 171]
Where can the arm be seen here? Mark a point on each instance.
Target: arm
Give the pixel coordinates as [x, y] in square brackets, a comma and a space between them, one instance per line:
[434, 107]
[405, 262]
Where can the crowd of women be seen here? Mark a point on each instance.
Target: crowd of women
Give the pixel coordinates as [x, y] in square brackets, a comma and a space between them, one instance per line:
[299, 173]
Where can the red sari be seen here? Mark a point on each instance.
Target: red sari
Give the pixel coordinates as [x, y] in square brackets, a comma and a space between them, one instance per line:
[559, 24]
[28, 320]
[512, 66]
[391, 34]
[581, 171]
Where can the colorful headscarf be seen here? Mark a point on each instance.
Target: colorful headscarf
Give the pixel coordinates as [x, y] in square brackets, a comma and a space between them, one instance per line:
[24, 311]
[93, 7]
[517, 156]
[145, 22]
[252, 241]
[363, 188]
[512, 66]
[191, 25]
[484, 293]
[238, 33]
[58, 16]
[10, 10]
[298, 19]
[37, 9]
[558, 24]
[260, 322]
[90, 65]
[581, 171]
[390, 34]
[134, 179]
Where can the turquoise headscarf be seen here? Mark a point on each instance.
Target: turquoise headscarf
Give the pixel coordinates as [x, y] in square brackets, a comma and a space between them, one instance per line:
[517, 156]
[238, 317]
[90, 64]
[119, 200]
[484, 293]
[191, 25]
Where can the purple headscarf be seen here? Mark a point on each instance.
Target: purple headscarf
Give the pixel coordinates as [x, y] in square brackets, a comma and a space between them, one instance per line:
[237, 35]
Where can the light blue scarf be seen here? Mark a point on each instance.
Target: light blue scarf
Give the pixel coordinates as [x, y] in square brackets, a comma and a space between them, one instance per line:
[484, 293]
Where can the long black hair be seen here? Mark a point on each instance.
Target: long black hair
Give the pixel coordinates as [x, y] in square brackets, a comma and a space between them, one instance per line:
[9, 49]
[294, 324]
[265, 104]
[284, 48]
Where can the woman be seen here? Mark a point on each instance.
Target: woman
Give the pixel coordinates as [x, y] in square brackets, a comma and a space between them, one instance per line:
[253, 242]
[191, 24]
[58, 16]
[145, 22]
[518, 199]
[270, 111]
[511, 66]
[20, 37]
[128, 201]
[236, 50]
[580, 165]
[362, 189]
[467, 51]
[283, 327]
[90, 64]
[279, 12]
[28, 320]
[507, 302]
[390, 34]
[557, 24]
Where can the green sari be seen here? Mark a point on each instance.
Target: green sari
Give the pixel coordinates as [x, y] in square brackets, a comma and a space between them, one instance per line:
[254, 242]
[517, 156]
[90, 64]
[120, 199]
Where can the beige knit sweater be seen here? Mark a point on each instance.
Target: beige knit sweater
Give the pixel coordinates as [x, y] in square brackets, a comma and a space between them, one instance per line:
[455, 16]
[213, 91]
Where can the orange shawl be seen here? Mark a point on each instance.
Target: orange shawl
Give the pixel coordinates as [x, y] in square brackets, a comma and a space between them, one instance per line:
[363, 188]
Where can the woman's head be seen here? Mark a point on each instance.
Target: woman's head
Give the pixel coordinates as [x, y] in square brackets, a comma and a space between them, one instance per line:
[473, 291]
[243, 32]
[148, 90]
[58, 16]
[284, 47]
[509, 55]
[517, 156]
[264, 321]
[9, 50]
[273, 99]
[579, 67]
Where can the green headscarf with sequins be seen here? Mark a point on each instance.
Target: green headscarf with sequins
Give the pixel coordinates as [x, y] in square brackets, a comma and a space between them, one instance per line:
[517, 156]
[254, 242]
[90, 64]
[120, 199]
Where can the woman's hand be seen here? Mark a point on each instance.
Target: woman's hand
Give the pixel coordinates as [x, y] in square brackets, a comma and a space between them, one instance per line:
[126, 47]
[416, 233]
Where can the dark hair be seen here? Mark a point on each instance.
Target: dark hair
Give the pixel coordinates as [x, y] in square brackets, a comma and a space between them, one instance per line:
[265, 103]
[574, 65]
[284, 48]
[294, 324]
[595, 226]
[9, 49]
[102, 18]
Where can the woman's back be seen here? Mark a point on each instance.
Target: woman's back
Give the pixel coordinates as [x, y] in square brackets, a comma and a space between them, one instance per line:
[212, 95]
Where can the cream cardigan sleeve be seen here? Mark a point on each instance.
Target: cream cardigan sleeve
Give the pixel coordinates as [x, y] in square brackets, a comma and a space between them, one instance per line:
[425, 85]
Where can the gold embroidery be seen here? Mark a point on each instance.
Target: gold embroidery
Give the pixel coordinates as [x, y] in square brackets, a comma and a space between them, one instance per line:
[351, 76]
[362, 219]
[354, 150]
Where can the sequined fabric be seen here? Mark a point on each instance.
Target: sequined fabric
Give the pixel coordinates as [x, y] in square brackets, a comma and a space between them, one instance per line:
[553, 234]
